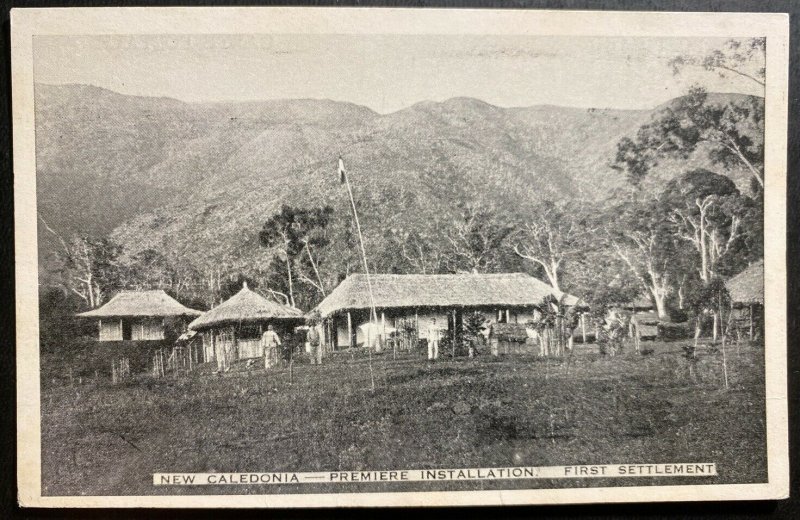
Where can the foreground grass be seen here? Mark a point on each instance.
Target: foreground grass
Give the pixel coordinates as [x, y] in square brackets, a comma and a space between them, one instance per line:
[102, 439]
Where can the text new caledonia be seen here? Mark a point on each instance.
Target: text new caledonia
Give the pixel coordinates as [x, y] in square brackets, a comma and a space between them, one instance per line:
[546, 472]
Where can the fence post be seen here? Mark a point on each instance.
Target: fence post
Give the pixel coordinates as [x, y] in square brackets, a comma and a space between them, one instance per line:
[583, 326]
[454, 334]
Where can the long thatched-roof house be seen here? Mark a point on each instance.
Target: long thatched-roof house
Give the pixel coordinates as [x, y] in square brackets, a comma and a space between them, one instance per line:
[139, 316]
[400, 299]
[232, 330]
[747, 293]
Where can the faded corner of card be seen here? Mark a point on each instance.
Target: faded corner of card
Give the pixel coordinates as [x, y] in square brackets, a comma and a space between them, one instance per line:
[25, 498]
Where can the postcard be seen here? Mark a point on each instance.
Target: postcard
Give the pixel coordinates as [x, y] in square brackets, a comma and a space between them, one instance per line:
[335, 257]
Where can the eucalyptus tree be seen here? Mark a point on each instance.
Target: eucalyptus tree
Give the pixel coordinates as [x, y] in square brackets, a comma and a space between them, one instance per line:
[644, 241]
[293, 232]
[744, 59]
[730, 134]
[553, 235]
[707, 213]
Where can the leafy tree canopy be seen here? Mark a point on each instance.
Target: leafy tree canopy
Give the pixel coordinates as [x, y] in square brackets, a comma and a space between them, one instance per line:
[743, 59]
[729, 132]
[292, 228]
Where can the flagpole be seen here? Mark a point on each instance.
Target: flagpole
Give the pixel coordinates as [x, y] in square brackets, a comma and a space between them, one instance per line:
[360, 240]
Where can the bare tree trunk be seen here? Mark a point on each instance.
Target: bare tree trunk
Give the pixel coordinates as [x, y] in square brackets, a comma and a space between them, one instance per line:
[715, 326]
[316, 271]
[89, 283]
[543, 342]
[552, 275]
[703, 245]
[583, 327]
[661, 305]
[697, 330]
[289, 273]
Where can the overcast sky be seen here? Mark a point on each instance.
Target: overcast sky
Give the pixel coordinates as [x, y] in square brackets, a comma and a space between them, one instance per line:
[385, 72]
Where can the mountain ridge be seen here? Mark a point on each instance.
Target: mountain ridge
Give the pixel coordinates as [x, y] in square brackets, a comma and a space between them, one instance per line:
[176, 176]
[714, 96]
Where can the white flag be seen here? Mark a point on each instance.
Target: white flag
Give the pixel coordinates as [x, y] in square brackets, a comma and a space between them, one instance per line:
[341, 171]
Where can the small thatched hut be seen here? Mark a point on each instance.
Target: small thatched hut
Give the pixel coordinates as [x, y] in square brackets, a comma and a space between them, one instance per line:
[747, 293]
[644, 324]
[232, 330]
[139, 316]
[401, 299]
[642, 303]
[509, 338]
[747, 287]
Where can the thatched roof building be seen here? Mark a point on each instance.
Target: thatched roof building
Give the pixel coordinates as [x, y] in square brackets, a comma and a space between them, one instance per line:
[232, 330]
[245, 307]
[143, 304]
[429, 301]
[517, 332]
[747, 287]
[640, 303]
[439, 290]
[139, 316]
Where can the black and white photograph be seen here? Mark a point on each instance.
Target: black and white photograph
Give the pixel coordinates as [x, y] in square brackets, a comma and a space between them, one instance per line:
[326, 262]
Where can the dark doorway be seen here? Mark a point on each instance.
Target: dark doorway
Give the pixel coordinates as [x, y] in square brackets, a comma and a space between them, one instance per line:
[126, 330]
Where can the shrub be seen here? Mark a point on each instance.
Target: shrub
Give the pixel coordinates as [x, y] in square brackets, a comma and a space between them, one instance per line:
[302, 358]
[292, 344]
[678, 315]
[446, 345]
[474, 325]
[577, 336]
[354, 353]
[673, 331]
[83, 357]
[612, 336]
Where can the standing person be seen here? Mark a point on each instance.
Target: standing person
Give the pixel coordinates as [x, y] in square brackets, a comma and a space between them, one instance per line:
[270, 342]
[433, 340]
[314, 340]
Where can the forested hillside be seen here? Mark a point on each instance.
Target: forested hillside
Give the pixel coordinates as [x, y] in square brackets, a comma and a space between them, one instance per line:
[191, 185]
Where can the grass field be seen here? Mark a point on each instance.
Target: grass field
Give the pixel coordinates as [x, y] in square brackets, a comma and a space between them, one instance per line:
[104, 439]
